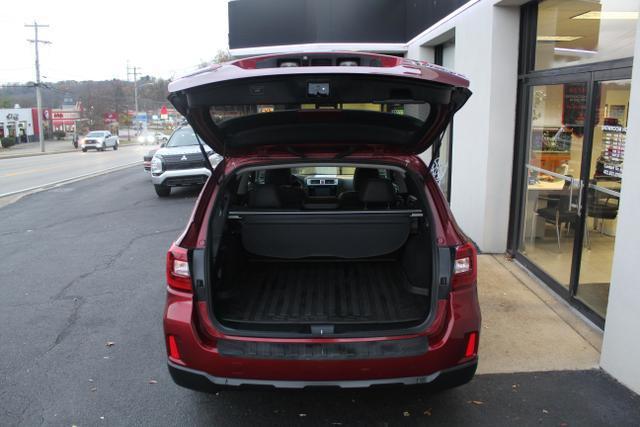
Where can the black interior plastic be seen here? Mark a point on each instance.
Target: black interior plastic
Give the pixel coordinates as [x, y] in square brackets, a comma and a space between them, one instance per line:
[286, 270]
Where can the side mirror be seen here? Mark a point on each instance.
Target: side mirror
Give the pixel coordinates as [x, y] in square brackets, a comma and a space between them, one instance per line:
[164, 144]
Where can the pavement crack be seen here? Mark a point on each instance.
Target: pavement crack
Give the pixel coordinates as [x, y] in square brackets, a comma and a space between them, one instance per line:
[110, 262]
[71, 321]
[80, 300]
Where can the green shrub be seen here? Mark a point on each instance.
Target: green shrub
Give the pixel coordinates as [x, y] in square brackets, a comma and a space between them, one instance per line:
[59, 134]
[8, 142]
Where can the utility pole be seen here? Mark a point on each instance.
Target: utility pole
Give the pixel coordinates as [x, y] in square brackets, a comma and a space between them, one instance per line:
[36, 42]
[135, 84]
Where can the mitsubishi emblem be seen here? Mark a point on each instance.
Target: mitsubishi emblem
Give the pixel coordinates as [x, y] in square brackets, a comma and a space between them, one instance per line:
[183, 157]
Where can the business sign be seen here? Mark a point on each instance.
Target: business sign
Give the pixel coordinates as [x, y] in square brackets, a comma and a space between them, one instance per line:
[110, 117]
[141, 117]
[164, 114]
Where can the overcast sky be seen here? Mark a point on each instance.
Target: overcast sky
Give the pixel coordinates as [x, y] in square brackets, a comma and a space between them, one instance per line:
[92, 40]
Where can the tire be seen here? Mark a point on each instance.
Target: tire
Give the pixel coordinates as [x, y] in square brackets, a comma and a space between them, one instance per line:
[84, 150]
[115, 147]
[162, 190]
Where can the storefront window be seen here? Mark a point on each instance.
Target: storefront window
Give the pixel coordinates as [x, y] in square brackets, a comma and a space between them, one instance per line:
[574, 32]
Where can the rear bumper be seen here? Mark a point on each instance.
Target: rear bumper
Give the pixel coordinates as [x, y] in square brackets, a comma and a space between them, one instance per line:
[203, 360]
[198, 380]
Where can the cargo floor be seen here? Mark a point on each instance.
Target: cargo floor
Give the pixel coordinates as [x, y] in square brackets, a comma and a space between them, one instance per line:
[322, 292]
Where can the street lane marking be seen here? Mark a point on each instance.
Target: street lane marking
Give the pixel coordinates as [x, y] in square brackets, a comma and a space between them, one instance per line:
[75, 178]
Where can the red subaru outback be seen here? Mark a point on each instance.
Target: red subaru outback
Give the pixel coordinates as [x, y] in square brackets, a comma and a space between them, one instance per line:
[321, 251]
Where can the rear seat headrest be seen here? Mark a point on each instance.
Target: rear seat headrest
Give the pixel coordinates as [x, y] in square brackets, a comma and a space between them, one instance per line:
[377, 190]
[265, 196]
[361, 175]
[277, 176]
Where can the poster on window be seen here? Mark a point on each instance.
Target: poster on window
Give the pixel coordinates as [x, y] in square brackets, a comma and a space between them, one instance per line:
[574, 105]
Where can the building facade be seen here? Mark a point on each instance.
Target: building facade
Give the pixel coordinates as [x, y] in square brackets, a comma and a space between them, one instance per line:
[66, 117]
[534, 164]
[20, 123]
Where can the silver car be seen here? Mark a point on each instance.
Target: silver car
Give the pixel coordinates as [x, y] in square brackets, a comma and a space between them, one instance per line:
[180, 162]
[99, 140]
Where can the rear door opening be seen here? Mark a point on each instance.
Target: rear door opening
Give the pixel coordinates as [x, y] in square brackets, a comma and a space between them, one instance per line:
[321, 250]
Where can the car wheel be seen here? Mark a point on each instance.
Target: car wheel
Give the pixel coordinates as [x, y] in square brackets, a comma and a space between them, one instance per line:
[162, 190]
[115, 147]
[84, 150]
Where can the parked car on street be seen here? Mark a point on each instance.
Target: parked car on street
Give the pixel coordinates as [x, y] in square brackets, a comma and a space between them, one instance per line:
[146, 159]
[321, 252]
[180, 162]
[99, 140]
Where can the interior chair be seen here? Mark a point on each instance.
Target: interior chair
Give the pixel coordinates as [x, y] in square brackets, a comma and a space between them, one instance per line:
[601, 207]
[557, 212]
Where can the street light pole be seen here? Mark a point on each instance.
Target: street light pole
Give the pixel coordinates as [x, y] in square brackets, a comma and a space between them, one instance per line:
[36, 42]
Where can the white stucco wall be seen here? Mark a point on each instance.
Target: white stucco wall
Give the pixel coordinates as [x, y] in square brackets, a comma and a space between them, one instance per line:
[486, 51]
[621, 345]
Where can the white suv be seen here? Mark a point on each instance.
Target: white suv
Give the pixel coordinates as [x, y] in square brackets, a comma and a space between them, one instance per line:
[180, 162]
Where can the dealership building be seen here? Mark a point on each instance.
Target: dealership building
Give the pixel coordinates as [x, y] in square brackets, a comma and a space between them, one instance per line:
[533, 165]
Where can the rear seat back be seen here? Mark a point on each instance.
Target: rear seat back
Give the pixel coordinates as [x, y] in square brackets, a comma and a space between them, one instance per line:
[290, 196]
[265, 196]
[377, 193]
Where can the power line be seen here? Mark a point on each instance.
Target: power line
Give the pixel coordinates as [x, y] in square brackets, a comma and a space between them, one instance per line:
[37, 42]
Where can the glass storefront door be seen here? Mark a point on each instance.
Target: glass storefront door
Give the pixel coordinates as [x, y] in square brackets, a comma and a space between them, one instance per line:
[603, 193]
[574, 84]
[553, 166]
[575, 142]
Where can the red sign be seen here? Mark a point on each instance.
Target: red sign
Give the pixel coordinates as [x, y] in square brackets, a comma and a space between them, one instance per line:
[109, 118]
[163, 110]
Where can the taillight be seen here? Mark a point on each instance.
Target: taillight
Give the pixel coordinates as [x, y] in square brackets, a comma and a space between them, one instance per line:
[178, 275]
[464, 267]
[472, 345]
[173, 347]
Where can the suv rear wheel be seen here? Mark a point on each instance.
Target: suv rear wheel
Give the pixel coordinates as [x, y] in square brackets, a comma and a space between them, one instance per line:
[162, 190]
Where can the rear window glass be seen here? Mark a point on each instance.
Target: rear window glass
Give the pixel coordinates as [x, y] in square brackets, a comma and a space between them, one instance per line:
[224, 113]
[324, 170]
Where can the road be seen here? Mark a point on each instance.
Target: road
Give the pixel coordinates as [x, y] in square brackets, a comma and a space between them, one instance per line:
[27, 172]
[83, 266]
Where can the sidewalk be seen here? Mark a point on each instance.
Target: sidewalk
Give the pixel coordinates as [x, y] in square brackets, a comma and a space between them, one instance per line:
[526, 327]
[33, 148]
[51, 147]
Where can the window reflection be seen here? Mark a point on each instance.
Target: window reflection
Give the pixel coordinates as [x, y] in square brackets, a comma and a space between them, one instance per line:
[573, 32]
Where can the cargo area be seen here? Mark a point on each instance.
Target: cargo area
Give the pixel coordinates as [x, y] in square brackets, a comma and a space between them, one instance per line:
[323, 292]
[365, 266]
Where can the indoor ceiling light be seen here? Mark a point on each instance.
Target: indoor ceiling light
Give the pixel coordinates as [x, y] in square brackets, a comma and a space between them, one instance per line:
[597, 14]
[557, 38]
[575, 51]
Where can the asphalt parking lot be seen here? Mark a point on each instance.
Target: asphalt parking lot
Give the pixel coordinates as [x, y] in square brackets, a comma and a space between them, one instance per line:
[81, 335]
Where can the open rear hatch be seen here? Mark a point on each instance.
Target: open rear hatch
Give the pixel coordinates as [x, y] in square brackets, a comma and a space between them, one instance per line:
[340, 101]
[306, 268]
